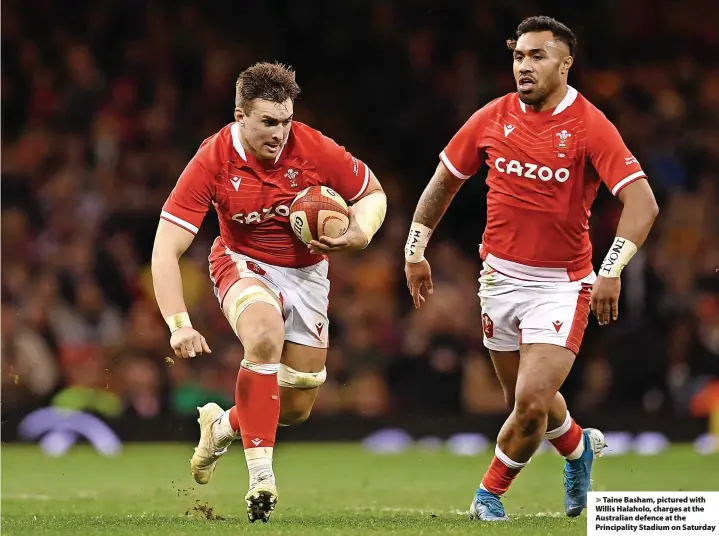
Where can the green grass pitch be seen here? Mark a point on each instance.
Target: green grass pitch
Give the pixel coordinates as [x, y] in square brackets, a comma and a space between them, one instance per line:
[324, 489]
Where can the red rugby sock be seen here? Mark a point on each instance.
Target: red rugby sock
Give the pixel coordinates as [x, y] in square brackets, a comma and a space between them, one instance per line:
[257, 404]
[502, 471]
[567, 438]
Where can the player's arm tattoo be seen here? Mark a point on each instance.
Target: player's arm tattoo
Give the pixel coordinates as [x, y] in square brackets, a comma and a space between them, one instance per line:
[436, 197]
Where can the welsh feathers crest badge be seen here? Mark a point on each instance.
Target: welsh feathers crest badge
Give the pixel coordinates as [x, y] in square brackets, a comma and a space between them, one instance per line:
[291, 175]
[562, 139]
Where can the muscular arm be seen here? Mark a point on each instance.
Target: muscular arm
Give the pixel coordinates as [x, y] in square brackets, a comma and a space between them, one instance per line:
[370, 209]
[638, 215]
[373, 187]
[437, 196]
[640, 211]
[171, 242]
[433, 203]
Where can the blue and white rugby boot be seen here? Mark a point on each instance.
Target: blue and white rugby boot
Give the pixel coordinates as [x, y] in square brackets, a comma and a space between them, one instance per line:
[578, 473]
[486, 506]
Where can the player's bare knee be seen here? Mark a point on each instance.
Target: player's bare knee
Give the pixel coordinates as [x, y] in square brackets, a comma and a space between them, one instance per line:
[264, 345]
[530, 411]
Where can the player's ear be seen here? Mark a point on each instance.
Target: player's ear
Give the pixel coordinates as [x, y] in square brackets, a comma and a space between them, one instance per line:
[567, 64]
[239, 114]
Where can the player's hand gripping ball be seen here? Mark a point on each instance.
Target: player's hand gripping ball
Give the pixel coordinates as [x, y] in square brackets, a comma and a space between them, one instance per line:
[318, 211]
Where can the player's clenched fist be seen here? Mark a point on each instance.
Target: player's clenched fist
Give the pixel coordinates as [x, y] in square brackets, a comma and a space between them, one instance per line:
[187, 342]
[419, 275]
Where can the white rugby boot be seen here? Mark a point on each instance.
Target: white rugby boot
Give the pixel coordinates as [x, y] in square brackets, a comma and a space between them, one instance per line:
[210, 448]
[262, 497]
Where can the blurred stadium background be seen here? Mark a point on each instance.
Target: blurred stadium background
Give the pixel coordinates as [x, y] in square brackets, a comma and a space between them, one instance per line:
[103, 103]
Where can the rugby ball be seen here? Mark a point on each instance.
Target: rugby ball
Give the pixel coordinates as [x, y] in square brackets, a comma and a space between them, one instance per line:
[318, 211]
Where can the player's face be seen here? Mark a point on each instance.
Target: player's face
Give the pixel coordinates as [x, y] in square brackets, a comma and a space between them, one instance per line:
[540, 65]
[266, 127]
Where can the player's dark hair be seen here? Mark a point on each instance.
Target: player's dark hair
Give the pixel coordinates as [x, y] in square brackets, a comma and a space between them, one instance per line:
[542, 23]
[273, 82]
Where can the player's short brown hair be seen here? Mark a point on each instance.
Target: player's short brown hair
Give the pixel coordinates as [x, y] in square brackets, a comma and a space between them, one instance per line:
[542, 23]
[268, 81]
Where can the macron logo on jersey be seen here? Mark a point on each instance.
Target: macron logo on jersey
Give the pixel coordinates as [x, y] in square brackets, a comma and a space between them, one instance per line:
[236, 183]
[508, 129]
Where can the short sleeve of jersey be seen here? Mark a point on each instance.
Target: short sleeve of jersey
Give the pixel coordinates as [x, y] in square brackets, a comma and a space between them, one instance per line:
[616, 165]
[346, 175]
[191, 198]
[463, 155]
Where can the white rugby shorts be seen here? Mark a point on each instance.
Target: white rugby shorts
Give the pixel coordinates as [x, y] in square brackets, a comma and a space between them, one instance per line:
[516, 312]
[303, 292]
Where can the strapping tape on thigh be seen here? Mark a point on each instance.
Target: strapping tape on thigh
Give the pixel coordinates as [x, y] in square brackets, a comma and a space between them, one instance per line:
[289, 377]
[252, 294]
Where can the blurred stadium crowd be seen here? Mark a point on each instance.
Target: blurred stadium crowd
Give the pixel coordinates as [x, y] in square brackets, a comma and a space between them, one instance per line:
[103, 105]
